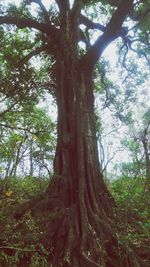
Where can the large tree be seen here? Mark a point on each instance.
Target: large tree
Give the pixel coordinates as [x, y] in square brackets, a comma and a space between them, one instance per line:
[81, 228]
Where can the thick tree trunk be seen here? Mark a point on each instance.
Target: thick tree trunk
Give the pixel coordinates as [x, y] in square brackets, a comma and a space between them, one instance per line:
[76, 158]
[81, 229]
[78, 211]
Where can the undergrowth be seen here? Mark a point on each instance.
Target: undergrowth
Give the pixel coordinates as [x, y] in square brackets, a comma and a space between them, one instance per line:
[22, 240]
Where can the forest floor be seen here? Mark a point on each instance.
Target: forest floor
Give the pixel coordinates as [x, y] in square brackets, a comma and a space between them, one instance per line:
[22, 239]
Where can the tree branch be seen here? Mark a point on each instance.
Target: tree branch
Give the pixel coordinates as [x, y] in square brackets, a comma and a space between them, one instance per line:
[22, 129]
[31, 23]
[141, 15]
[113, 30]
[111, 158]
[35, 52]
[43, 8]
[7, 110]
[90, 24]
[6, 248]
[45, 166]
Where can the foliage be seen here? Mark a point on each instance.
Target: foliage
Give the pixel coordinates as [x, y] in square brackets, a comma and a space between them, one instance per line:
[133, 202]
[23, 238]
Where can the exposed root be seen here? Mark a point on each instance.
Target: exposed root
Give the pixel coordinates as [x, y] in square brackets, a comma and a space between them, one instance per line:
[79, 234]
[91, 243]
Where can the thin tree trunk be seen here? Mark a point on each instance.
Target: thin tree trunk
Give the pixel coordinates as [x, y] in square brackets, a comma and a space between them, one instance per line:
[147, 157]
[31, 171]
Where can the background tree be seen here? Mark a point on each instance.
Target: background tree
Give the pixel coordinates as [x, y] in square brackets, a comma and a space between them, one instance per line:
[82, 215]
[26, 142]
[137, 143]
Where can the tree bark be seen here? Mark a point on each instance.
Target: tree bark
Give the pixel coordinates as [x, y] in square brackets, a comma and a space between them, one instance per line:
[81, 230]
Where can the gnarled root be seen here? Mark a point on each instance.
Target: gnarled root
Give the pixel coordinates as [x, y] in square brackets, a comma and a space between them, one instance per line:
[79, 234]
